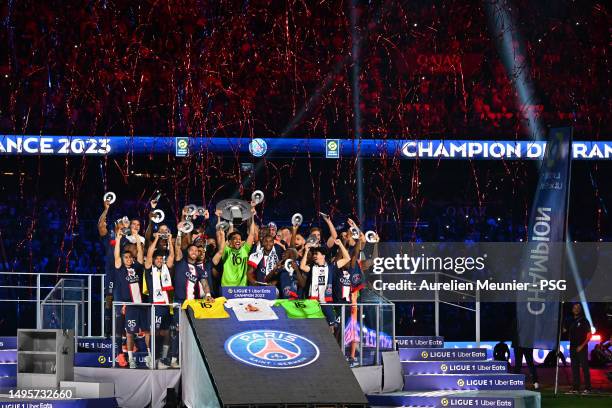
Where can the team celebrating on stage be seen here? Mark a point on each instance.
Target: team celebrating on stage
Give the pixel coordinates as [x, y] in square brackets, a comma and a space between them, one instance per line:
[210, 252]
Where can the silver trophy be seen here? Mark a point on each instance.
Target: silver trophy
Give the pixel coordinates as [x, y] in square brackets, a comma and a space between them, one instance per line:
[257, 197]
[185, 227]
[223, 225]
[191, 209]
[289, 266]
[312, 239]
[354, 232]
[125, 223]
[234, 210]
[110, 197]
[200, 211]
[371, 237]
[297, 219]
[158, 216]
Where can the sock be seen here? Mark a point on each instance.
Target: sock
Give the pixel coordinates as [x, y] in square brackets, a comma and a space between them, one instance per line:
[130, 355]
[149, 350]
[165, 349]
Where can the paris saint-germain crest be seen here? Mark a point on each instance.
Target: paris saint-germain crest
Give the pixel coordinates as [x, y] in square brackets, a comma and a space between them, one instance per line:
[271, 349]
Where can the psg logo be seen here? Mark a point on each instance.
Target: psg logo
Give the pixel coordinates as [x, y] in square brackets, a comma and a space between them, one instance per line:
[271, 349]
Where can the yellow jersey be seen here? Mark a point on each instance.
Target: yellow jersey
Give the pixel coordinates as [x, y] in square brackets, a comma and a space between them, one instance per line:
[207, 310]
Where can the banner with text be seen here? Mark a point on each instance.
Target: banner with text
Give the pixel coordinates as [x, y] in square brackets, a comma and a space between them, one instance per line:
[537, 312]
[24, 145]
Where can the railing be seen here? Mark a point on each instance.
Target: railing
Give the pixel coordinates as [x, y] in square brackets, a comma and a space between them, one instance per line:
[384, 316]
[23, 293]
[76, 292]
[52, 308]
[152, 329]
[362, 330]
[381, 315]
[472, 297]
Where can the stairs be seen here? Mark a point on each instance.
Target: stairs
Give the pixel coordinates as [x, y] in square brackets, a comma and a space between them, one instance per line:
[435, 376]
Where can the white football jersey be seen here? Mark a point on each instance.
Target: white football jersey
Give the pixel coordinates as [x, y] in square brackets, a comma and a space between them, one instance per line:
[252, 309]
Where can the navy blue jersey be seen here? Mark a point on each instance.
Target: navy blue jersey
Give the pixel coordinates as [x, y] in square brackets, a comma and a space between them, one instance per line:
[347, 280]
[342, 285]
[128, 284]
[322, 288]
[187, 281]
[109, 263]
[288, 285]
[264, 264]
[207, 274]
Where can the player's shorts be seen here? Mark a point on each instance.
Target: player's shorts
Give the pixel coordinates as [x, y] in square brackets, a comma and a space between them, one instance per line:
[137, 318]
[163, 318]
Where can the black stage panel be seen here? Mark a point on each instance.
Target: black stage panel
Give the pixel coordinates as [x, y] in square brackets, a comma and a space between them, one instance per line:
[325, 381]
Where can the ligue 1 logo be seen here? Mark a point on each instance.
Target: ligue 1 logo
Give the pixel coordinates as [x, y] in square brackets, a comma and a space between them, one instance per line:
[444, 402]
[424, 354]
[332, 148]
[460, 382]
[182, 144]
[443, 368]
[271, 349]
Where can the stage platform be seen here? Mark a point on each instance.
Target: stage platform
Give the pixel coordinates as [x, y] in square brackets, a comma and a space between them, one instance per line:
[265, 363]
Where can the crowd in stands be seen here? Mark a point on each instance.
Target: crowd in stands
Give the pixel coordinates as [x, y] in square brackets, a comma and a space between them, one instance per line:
[426, 69]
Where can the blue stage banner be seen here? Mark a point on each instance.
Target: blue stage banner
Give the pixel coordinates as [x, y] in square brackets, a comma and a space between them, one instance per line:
[8, 343]
[94, 344]
[455, 367]
[419, 341]
[432, 400]
[486, 382]
[293, 147]
[539, 355]
[256, 292]
[537, 311]
[443, 354]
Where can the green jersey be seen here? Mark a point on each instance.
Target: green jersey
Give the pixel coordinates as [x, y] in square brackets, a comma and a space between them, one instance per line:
[301, 309]
[235, 265]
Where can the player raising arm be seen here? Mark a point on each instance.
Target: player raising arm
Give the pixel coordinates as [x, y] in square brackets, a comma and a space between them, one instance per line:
[234, 253]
